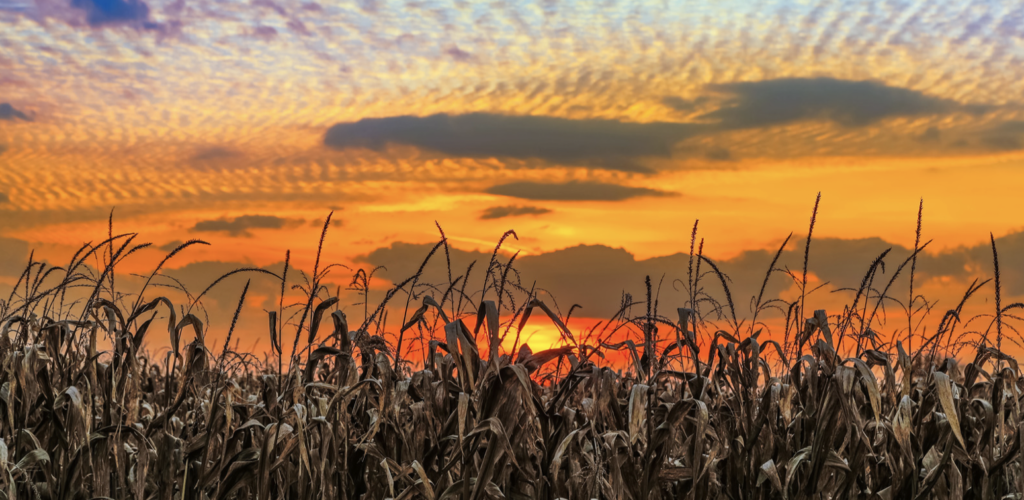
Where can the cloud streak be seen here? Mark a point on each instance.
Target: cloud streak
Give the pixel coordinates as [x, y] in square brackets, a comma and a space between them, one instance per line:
[572, 191]
[512, 211]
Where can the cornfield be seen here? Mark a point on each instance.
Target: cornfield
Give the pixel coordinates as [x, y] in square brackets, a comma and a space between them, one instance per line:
[704, 405]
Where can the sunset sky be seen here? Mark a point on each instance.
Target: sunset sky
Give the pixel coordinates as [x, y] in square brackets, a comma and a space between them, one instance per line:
[614, 125]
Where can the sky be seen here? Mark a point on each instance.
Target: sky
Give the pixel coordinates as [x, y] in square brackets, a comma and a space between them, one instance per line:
[598, 131]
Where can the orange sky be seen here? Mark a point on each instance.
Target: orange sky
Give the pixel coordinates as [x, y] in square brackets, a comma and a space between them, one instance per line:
[244, 123]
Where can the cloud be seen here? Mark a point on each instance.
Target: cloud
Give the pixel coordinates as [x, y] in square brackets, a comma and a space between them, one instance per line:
[931, 134]
[319, 223]
[223, 298]
[849, 103]
[573, 191]
[214, 154]
[369, 6]
[170, 245]
[1011, 261]
[843, 262]
[1007, 136]
[458, 54]
[512, 211]
[108, 12]
[13, 256]
[264, 292]
[298, 27]
[594, 276]
[606, 144]
[684, 105]
[8, 112]
[240, 226]
[621, 145]
[210, 159]
[1001, 137]
[271, 5]
[718, 154]
[264, 33]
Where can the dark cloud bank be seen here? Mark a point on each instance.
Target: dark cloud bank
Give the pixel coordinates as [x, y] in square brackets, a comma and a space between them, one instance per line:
[594, 275]
[607, 144]
[848, 103]
[616, 145]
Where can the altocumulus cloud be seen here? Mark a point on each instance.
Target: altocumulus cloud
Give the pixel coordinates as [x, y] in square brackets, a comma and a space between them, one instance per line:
[240, 226]
[850, 103]
[512, 211]
[605, 144]
[573, 191]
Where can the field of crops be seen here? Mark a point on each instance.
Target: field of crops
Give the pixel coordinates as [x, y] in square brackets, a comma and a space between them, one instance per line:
[706, 405]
